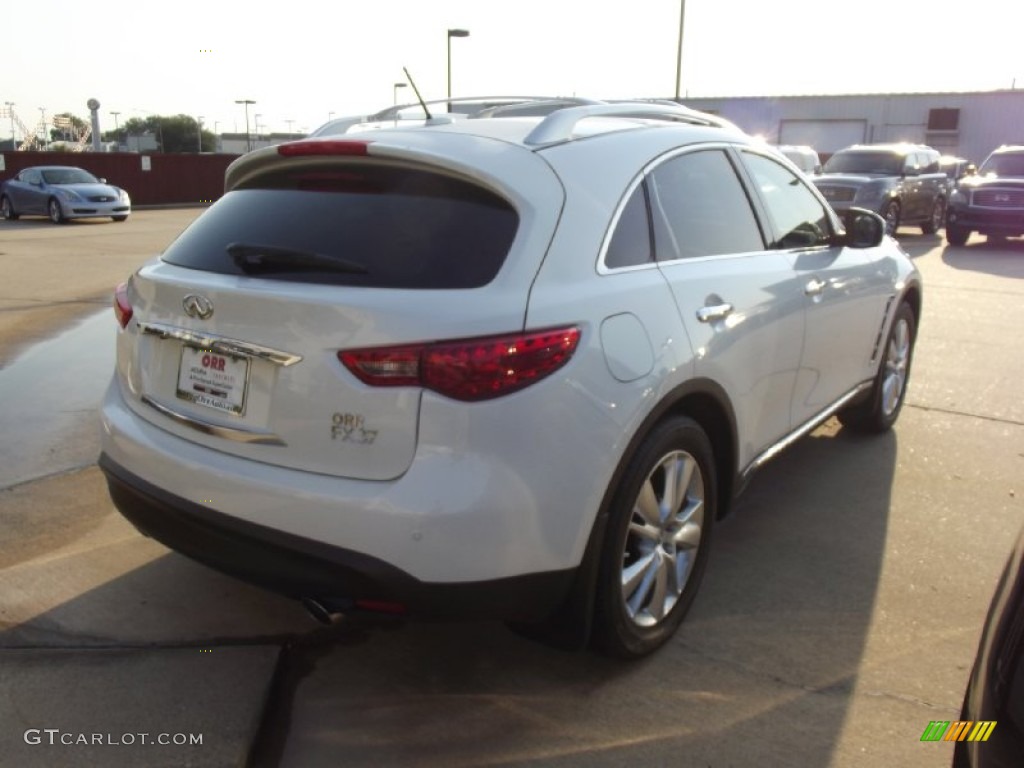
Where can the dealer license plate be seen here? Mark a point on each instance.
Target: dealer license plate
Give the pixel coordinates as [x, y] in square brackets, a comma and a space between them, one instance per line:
[213, 379]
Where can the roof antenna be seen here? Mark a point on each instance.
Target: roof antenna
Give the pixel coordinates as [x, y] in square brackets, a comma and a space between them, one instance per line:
[417, 91]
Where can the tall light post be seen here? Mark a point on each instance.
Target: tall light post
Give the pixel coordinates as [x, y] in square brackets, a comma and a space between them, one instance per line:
[42, 112]
[402, 85]
[330, 116]
[679, 49]
[199, 130]
[453, 33]
[256, 129]
[216, 135]
[248, 139]
[117, 131]
[10, 112]
[289, 126]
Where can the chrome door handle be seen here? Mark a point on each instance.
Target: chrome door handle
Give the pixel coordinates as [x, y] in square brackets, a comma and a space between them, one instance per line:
[715, 312]
[815, 287]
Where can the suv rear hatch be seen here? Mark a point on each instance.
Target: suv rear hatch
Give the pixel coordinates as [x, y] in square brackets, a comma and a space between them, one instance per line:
[325, 246]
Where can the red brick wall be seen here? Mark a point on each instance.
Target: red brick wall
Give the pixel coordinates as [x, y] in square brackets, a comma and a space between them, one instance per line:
[172, 178]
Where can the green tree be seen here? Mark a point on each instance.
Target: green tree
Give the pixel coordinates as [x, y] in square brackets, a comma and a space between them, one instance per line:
[174, 134]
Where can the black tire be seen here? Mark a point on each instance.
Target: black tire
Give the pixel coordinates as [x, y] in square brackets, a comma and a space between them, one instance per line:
[956, 235]
[55, 211]
[938, 215]
[879, 412]
[659, 533]
[7, 209]
[891, 214]
[119, 219]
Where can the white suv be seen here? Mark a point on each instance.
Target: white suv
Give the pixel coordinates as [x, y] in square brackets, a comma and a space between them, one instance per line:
[506, 367]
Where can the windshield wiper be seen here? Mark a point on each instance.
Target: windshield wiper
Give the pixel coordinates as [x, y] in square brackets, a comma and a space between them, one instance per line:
[267, 258]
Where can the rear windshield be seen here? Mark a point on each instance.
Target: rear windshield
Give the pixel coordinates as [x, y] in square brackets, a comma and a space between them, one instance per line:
[362, 225]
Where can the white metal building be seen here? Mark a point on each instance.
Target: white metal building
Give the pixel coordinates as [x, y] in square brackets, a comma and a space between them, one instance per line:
[968, 124]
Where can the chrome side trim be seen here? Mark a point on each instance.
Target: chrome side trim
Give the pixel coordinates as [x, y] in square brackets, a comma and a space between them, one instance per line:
[881, 329]
[228, 433]
[220, 344]
[802, 430]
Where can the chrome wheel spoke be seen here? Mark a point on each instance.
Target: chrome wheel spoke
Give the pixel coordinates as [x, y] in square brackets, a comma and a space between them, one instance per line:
[662, 538]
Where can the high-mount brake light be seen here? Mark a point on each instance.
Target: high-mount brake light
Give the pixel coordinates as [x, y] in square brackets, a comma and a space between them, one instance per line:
[331, 147]
[467, 369]
[122, 307]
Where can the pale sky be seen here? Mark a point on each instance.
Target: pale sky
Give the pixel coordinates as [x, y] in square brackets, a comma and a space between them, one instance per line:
[304, 59]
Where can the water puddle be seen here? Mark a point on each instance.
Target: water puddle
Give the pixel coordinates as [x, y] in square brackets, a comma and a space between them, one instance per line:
[49, 401]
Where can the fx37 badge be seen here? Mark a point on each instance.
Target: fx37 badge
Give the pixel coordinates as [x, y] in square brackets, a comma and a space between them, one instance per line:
[351, 428]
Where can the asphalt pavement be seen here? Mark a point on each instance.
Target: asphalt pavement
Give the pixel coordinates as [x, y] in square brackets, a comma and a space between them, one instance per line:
[839, 615]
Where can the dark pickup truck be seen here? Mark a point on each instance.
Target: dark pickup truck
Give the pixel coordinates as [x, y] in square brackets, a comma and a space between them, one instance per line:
[990, 202]
[901, 182]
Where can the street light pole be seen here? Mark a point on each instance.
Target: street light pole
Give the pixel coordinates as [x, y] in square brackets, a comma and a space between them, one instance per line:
[453, 33]
[679, 49]
[248, 138]
[117, 131]
[402, 85]
[199, 131]
[46, 140]
[289, 126]
[256, 129]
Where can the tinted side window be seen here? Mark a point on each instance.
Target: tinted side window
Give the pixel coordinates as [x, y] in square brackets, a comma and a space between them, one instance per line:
[362, 225]
[631, 243]
[699, 208]
[799, 218]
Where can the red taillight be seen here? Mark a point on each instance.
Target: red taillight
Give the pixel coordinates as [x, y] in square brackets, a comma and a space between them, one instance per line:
[122, 307]
[469, 369]
[328, 147]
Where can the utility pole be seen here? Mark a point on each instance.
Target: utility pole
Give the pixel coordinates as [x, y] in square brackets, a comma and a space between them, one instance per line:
[679, 49]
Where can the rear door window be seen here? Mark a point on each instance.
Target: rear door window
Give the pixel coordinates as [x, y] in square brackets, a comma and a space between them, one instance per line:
[362, 225]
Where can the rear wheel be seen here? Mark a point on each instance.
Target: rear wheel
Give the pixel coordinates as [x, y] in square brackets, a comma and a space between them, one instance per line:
[879, 412]
[119, 218]
[956, 235]
[56, 212]
[7, 209]
[931, 226]
[657, 539]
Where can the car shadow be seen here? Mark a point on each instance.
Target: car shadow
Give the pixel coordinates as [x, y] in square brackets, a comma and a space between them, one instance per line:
[776, 636]
[1003, 258]
[42, 222]
[918, 244]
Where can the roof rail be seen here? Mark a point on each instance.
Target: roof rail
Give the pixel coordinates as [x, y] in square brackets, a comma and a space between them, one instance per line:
[558, 126]
[481, 104]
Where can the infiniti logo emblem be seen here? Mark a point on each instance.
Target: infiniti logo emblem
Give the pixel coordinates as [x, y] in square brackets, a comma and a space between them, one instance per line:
[198, 306]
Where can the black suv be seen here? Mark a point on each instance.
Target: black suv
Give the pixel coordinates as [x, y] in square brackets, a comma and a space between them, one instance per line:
[902, 182]
[991, 201]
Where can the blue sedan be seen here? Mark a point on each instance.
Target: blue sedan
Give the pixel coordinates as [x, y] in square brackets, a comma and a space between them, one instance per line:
[62, 192]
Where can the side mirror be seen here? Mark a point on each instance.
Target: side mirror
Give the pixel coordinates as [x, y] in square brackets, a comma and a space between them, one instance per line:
[864, 229]
[102, 180]
[972, 170]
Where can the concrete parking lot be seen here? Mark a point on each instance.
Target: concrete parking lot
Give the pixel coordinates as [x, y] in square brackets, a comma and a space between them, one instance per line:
[840, 612]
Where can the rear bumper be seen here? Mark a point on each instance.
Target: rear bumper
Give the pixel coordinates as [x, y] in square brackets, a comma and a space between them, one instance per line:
[303, 568]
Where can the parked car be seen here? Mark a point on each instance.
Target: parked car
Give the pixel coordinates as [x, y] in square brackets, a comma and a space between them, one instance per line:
[995, 692]
[802, 156]
[901, 182]
[990, 202]
[62, 192]
[502, 367]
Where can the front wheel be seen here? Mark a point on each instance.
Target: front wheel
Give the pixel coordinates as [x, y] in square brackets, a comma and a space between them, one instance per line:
[931, 226]
[657, 540]
[7, 210]
[119, 218]
[56, 212]
[891, 214]
[956, 235]
[879, 412]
